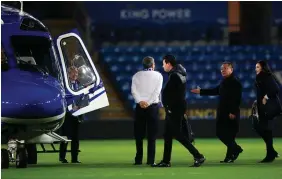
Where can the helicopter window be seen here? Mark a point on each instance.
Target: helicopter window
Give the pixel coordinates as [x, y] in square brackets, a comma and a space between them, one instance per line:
[32, 25]
[79, 70]
[28, 59]
[35, 54]
[4, 61]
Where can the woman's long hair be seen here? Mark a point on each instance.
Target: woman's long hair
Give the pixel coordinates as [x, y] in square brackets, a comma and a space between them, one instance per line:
[265, 68]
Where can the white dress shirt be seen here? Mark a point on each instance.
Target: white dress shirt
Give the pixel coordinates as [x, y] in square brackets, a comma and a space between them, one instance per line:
[146, 86]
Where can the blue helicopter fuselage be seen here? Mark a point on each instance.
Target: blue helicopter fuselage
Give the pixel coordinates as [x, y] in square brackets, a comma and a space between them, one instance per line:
[30, 96]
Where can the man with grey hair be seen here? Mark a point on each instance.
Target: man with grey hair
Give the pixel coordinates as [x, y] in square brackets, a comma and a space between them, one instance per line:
[146, 88]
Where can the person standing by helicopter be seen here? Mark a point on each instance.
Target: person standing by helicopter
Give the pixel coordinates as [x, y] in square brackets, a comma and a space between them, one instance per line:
[70, 127]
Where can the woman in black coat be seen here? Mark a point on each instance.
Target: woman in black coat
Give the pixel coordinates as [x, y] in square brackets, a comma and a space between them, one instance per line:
[267, 92]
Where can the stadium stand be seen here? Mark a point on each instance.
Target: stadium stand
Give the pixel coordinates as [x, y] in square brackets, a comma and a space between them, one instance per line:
[202, 64]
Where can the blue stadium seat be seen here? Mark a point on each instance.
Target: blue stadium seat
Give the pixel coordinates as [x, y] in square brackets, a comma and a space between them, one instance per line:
[108, 58]
[246, 84]
[202, 65]
[252, 94]
[114, 68]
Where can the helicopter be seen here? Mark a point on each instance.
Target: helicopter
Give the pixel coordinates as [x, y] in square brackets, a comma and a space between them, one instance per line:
[42, 78]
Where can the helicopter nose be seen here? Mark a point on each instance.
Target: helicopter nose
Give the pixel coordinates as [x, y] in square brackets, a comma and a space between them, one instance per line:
[31, 101]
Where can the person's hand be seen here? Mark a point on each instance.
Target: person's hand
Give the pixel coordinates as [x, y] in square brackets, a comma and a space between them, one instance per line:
[143, 104]
[264, 100]
[232, 116]
[91, 90]
[196, 91]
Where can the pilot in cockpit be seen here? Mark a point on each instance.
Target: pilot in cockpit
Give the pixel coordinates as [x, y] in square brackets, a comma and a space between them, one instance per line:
[85, 74]
[73, 78]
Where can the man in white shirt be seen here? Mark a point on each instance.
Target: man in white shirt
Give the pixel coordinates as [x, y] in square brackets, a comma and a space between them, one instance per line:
[146, 88]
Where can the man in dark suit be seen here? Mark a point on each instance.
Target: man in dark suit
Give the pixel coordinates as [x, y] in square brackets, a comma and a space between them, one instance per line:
[70, 127]
[174, 102]
[228, 110]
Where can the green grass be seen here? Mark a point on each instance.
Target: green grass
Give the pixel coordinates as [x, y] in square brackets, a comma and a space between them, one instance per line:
[114, 158]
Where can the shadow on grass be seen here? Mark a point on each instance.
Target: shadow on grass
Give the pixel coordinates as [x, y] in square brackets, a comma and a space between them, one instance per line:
[86, 165]
[239, 163]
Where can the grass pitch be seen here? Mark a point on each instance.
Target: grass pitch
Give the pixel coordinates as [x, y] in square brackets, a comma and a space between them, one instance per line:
[114, 159]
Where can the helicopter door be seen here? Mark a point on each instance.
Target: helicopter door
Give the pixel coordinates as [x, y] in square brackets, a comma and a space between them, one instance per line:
[84, 88]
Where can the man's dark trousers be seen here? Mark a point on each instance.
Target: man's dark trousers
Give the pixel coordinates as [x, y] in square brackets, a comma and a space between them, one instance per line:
[146, 124]
[70, 129]
[174, 129]
[226, 131]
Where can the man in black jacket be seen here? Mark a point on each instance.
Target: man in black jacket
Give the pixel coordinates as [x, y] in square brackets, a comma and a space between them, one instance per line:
[173, 98]
[228, 110]
[70, 129]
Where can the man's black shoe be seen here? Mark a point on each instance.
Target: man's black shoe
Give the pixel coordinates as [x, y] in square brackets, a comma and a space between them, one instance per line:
[236, 153]
[75, 161]
[199, 161]
[137, 163]
[267, 160]
[162, 164]
[152, 164]
[64, 161]
[227, 160]
[270, 157]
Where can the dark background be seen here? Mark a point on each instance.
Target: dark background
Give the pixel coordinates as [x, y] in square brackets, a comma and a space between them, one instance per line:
[256, 20]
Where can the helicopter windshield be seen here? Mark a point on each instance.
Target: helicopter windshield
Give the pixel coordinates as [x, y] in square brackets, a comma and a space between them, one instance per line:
[35, 53]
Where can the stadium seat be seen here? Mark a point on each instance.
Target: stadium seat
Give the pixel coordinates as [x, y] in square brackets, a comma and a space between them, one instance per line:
[202, 64]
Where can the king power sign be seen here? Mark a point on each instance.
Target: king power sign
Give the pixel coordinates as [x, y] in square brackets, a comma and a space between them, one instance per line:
[156, 14]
